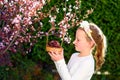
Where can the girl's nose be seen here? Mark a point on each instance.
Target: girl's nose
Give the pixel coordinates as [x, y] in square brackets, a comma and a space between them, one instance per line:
[74, 41]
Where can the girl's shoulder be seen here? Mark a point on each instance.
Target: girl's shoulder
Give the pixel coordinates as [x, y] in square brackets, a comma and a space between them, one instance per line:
[74, 54]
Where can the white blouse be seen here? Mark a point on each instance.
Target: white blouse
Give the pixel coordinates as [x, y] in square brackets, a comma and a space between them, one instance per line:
[78, 68]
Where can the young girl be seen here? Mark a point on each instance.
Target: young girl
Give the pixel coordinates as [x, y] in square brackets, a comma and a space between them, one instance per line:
[89, 42]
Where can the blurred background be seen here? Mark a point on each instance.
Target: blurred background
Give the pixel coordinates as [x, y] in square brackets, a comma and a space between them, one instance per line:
[24, 26]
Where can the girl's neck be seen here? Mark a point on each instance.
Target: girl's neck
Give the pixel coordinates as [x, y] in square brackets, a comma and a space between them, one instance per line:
[86, 53]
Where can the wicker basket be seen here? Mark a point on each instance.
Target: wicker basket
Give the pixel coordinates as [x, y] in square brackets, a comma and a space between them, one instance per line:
[50, 48]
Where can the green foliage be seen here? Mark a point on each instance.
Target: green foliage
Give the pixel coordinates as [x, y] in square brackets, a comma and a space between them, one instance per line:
[106, 16]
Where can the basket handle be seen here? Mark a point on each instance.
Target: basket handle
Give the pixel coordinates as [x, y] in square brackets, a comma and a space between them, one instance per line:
[53, 28]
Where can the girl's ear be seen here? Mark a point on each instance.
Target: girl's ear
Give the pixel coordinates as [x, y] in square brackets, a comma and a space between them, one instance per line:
[92, 44]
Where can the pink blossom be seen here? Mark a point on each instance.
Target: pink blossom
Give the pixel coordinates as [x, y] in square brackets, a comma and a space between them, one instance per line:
[17, 19]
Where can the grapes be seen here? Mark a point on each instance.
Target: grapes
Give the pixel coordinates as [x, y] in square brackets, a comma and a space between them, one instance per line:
[54, 43]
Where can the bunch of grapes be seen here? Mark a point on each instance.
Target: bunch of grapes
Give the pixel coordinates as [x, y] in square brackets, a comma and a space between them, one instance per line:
[54, 43]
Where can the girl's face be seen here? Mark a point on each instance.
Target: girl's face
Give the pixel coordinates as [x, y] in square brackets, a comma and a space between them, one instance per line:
[81, 42]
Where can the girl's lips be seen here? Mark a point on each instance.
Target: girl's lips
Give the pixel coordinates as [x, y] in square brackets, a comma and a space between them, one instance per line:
[75, 46]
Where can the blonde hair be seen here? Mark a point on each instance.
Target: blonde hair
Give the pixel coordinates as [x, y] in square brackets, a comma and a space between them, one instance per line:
[95, 34]
[100, 45]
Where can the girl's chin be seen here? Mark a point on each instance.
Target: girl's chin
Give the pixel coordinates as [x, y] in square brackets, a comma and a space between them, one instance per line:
[77, 49]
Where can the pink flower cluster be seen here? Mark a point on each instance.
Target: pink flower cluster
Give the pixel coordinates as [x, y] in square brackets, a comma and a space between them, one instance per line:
[16, 18]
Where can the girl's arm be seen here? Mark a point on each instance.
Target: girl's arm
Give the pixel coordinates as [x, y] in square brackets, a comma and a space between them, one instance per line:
[62, 69]
[84, 71]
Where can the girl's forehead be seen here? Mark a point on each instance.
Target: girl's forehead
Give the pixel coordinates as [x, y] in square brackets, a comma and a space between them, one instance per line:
[80, 32]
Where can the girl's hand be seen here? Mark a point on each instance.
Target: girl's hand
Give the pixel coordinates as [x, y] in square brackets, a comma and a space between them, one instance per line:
[56, 56]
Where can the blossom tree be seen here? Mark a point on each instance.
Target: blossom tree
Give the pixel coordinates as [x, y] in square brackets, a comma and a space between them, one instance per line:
[18, 20]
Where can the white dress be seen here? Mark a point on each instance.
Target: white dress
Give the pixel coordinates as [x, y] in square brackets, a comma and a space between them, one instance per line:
[78, 68]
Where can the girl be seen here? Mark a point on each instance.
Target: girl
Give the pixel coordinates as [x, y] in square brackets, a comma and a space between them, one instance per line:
[89, 41]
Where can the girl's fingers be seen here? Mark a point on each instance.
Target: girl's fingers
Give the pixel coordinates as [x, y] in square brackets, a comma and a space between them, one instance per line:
[52, 54]
[56, 55]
